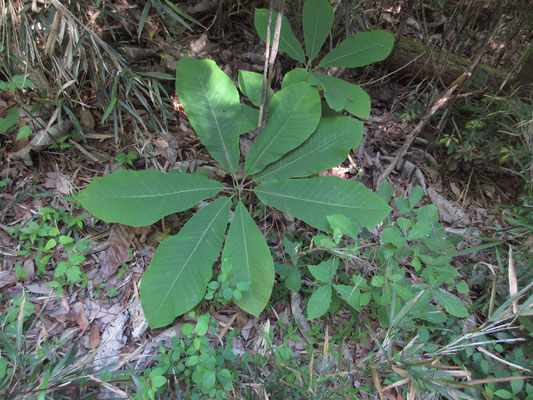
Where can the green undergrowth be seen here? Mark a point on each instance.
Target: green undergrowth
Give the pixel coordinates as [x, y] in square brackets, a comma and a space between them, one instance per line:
[51, 242]
[432, 320]
[491, 130]
[413, 316]
[363, 304]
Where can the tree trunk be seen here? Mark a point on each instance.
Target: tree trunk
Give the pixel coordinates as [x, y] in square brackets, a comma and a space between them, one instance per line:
[413, 57]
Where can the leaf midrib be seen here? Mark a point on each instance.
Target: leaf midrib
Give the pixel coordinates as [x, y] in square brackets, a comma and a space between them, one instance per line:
[316, 201]
[349, 54]
[165, 194]
[282, 166]
[313, 40]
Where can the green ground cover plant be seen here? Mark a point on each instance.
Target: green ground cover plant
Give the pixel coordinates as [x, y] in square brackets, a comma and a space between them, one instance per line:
[420, 325]
[7, 124]
[295, 143]
[493, 129]
[421, 300]
[51, 240]
[204, 370]
[37, 369]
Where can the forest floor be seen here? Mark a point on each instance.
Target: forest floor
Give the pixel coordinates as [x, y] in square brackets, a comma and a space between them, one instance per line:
[94, 299]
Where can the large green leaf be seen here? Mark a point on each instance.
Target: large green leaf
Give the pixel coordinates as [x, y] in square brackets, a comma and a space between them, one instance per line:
[295, 75]
[247, 251]
[295, 113]
[212, 104]
[361, 49]
[139, 198]
[342, 95]
[313, 199]
[317, 20]
[10, 120]
[249, 118]
[326, 148]
[251, 85]
[325, 271]
[287, 40]
[177, 277]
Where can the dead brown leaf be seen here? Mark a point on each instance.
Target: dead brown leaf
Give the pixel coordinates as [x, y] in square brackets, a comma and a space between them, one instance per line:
[94, 337]
[86, 118]
[7, 278]
[120, 239]
[202, 45]
[58, 183]
[455, 189]
[77, 313]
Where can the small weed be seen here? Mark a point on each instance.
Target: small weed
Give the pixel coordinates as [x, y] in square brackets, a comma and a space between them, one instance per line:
[35, 369]
[61, 143]
[491, 130]
[8, 124]
[123, 158]
[50, 238]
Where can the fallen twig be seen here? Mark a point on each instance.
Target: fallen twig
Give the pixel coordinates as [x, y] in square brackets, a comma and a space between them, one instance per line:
[441, 101]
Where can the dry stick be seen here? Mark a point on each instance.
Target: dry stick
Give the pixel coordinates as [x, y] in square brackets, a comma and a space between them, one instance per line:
[269, 63]
[411, 137]
[265, 68]
[442, 100]
[273, 55]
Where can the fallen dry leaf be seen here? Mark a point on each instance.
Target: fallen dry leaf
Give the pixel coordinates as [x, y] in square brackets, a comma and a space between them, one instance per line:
[41, 140]
[7, 278]
[78, 311]
[58, 183]
[455, 189]
[120, 239]
[86, 118]
[94, 337]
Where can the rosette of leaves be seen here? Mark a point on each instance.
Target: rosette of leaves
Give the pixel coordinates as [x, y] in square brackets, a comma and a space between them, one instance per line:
[296, 143]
